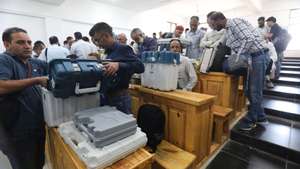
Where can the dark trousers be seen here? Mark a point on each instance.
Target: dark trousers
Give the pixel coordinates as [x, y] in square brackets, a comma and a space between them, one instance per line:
[269, 67]
[25, 150]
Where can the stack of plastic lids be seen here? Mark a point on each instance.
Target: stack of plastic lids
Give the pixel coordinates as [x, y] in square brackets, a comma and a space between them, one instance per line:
[161, 70]
[97, 158]
[105, 125]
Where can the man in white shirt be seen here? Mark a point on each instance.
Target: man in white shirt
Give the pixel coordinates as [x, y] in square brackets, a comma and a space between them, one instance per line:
[187, 78]
[262, 29]
[54, 51]
[37, 49]
[81, 48]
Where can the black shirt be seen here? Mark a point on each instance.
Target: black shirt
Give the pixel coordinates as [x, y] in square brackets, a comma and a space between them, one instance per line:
[129, 64]
[275, 30]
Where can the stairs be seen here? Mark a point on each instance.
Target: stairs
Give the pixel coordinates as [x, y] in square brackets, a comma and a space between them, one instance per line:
[272, 146]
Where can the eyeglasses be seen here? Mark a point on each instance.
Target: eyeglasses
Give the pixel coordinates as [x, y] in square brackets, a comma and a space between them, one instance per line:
[97, 39]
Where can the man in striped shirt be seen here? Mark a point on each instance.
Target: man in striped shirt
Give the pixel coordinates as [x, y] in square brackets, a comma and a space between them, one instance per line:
[244, 39]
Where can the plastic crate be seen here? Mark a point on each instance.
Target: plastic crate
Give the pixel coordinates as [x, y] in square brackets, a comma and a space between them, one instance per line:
[58, 110]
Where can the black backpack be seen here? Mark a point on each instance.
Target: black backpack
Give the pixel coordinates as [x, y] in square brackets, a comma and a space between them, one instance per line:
[151, 119]
[219, 58]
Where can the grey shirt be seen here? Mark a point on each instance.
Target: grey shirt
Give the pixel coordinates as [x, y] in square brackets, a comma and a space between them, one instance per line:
[30, 115]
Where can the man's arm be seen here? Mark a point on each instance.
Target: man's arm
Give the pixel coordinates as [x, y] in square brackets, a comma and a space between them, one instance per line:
[134, 65]
[10, 86]
[128, 63]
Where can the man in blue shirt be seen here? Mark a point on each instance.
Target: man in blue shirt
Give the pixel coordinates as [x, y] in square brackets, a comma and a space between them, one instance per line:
[275, 37]
[123, 65]
[194, 35]
[22, 134]
[144, 43]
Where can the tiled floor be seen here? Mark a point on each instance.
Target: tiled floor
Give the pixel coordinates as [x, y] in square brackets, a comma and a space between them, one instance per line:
[238, 156]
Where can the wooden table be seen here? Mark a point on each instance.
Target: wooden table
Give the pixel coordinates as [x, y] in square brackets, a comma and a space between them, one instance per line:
[61, 156]
[188, 117]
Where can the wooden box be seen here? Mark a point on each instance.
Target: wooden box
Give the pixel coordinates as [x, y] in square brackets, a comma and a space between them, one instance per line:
[188, 117]
[63, 157]
[221, 85]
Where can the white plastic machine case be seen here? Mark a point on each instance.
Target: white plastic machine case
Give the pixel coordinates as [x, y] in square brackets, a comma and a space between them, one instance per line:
[98, 158]
[161, 70]
[58, 110]
[105, 125]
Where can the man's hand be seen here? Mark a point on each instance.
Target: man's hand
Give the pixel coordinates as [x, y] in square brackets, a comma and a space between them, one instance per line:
[111, 68]
[43, 80]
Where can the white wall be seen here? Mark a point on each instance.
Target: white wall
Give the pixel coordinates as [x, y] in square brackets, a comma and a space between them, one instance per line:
[43, 20]
[278, 9]
[156, 20]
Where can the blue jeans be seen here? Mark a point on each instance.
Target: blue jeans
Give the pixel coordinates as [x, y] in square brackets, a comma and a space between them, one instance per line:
[122, 102]
[278, 64]
[255, 88]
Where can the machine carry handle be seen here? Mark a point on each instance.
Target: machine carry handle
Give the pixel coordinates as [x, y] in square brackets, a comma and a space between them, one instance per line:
[87, 90]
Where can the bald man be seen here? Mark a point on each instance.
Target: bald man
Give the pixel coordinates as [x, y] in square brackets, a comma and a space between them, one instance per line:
[122, 39]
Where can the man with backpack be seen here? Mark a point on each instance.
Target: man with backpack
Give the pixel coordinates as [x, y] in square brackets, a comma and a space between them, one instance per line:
[280, 38]
[246, 42]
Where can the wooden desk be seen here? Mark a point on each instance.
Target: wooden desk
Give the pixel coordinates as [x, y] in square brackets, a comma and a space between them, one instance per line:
[61, 156]
[221, 85]
[188, 117]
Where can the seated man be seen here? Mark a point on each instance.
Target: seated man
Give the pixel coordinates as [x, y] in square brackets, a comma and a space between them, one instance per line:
[187, 78]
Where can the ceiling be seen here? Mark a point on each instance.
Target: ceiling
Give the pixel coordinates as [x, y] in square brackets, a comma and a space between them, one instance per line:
[137, 5]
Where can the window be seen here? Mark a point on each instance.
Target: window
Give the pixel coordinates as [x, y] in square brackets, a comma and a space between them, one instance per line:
[294, 27]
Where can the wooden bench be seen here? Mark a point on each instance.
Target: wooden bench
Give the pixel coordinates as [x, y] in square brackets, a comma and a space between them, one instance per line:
[169, 156]
[221, 123]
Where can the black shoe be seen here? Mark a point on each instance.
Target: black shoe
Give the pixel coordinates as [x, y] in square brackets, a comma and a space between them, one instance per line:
[262, 122]
[247, 126]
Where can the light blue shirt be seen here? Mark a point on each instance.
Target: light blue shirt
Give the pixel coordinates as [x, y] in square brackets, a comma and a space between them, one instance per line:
[194, 50]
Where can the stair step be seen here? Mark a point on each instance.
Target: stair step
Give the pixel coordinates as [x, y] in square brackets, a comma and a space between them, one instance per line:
[285, 92]
[281, 108]
[294, 68]
[296, 58]
[291, 60]
[240, 156]
[290, 63]
[290, 73]
[288, 80]
[279, 137]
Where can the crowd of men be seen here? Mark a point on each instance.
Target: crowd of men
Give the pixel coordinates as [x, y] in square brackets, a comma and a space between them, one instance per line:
[23, 69]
